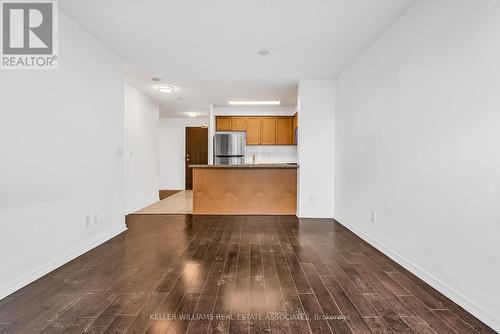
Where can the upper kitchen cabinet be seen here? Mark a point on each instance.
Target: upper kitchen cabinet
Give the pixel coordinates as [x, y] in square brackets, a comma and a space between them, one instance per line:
[223, 123]
[238, 123]
[253, 130]
[261, 130]
[284, 131]
[268, 130]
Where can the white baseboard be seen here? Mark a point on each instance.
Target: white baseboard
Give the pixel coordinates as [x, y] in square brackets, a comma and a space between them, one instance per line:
[56, 263]
[428, 278]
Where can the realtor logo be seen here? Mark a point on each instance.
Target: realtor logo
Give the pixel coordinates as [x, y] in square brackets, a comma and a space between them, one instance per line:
[29, 34]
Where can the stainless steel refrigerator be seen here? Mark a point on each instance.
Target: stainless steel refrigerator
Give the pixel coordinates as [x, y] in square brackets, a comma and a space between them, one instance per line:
[229, 148]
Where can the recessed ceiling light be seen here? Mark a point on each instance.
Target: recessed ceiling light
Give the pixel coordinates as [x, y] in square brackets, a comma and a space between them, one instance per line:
[255, 103]
[192, 114]
[166, 89]
[264, 52]
[156, 79]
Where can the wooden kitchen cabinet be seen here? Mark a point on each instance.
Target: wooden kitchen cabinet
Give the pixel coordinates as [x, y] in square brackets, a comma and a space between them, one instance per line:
[223, 123]
[253, 130]
[238, 124]
[268, 130]
[261, 130]
[284, 131]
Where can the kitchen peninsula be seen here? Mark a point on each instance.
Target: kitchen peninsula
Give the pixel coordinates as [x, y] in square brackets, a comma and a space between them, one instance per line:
[248, 189]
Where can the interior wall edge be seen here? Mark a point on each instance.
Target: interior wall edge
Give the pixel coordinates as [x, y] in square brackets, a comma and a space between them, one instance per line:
[50, 266]
[415, 269]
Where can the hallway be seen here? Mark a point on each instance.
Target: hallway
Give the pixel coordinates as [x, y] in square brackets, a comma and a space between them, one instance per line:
[179, 203]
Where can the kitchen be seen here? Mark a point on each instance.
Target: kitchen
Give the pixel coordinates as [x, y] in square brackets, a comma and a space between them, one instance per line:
[281, 136]
[234, 185]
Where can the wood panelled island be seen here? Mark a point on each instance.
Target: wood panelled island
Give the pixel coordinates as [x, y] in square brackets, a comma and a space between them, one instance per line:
[253, 189]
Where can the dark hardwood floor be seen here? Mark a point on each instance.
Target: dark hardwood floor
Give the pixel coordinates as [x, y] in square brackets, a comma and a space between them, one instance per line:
[178, 274]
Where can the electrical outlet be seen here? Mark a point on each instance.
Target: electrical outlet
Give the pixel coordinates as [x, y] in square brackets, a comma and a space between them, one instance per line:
[374, 216]
[87, 221]
[96, 219]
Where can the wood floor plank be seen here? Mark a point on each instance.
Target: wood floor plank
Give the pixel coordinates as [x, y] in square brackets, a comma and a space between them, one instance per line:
[80, 316]
[418, 325]
[147, 314]
[207, 300]
[394, 320]
[328, 305]
[119, 324]
[258, 309]
[293, 306]
[219, 272]
[454, 322]
[424, 297]
[42, 318]
[273, 296]
[231, 263]
[392, 300]
[378, 325]
[298, 275]
[222, 308]
[241, 304]
[316, 261]
[427, 315]
[313, 310]
[383, 277]
[347, 308]
[352, 291]
[255, 260]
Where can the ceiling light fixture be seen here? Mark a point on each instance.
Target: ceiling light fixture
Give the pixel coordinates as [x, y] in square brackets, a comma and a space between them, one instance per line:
[264, 52]
[192, 114]
[255, 103]
[166, 89]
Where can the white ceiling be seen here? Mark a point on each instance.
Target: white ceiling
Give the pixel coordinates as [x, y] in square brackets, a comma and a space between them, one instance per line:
[208, 48]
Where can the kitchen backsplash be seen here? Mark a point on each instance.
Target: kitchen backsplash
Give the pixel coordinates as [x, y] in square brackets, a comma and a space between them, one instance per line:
[271, 154]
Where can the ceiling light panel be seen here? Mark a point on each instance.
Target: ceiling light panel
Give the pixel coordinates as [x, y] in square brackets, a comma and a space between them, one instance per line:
[254, 102]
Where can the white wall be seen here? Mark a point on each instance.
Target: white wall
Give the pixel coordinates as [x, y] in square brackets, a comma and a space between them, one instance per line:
[143, 179]
[417, 140]
[211, 131]
[172, 150]
[60, 135]
[271, 154]
[316, 148]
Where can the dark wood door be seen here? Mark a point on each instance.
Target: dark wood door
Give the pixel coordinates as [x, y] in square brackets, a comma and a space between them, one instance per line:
[196, 151]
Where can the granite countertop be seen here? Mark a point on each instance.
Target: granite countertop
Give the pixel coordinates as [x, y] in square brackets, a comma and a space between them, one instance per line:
[277, 166]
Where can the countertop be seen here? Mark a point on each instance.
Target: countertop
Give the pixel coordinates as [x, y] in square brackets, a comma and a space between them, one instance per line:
[277, 166]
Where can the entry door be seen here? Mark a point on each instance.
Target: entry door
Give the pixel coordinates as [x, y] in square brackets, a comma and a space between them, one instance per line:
[196, 151]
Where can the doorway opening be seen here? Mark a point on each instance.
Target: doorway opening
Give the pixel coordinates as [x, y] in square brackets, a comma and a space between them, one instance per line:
[196, 151]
